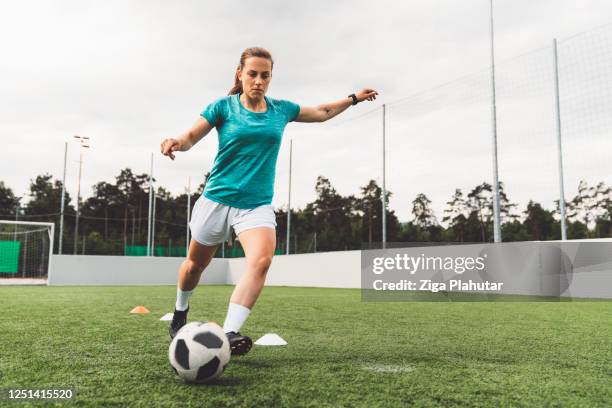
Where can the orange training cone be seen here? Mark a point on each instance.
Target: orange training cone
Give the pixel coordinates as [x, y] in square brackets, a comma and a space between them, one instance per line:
[140, 309]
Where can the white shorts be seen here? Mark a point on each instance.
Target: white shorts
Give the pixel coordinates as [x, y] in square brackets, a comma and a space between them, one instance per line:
[211, 222]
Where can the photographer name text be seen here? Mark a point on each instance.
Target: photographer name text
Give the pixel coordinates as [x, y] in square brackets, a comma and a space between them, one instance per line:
[431, 286]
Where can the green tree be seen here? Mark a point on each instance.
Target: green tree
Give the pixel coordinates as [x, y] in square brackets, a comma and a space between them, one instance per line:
[539, 222]
[8, 202]
[603, 210]
[45, 197]
[303, 230]
[368, 207]
[577, 230]
[424, 227]
[475, 230]
[582, 206]
[506, 207]
[45, 205]
[480, 202]
[422, 212]
[333, 217]
[514, 231]
[481, 210]
[456, 216]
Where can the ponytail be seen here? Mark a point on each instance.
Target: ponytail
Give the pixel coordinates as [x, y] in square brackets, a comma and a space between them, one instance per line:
[237, 88]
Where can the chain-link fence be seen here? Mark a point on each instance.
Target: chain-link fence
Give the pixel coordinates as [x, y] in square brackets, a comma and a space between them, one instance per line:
[438, 141]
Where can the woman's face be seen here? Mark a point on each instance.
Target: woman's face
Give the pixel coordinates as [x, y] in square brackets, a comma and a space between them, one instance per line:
[255, 77]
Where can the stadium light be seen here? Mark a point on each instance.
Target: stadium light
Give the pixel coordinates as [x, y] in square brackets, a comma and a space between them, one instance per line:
[84, 142]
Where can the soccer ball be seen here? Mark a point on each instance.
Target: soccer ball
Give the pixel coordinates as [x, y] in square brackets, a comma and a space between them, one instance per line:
[199, 352]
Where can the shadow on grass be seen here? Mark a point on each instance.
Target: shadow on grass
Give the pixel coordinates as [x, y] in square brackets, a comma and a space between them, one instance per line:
[224, 382]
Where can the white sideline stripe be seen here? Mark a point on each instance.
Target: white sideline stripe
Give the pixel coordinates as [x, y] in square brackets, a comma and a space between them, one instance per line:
[167, 317]
[20, 281]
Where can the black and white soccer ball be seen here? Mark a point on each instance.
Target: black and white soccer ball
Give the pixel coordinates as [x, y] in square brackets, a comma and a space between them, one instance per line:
[199, 352]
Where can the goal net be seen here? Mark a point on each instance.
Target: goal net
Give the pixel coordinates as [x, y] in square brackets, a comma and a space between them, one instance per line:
[25, 250]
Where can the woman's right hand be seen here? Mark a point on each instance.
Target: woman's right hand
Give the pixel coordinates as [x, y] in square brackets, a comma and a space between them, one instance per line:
[187, 140]
[169, 146]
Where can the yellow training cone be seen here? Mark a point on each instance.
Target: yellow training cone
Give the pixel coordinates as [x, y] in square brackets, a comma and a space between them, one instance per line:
[140, 309]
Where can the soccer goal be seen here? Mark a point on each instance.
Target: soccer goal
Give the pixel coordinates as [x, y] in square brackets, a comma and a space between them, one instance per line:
[25, 251]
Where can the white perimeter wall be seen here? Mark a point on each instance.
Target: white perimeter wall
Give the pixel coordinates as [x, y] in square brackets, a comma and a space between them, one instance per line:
[125, 270]
[325, 269]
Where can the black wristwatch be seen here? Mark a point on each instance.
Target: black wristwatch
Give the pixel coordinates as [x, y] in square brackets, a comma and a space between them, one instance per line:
[354, 98]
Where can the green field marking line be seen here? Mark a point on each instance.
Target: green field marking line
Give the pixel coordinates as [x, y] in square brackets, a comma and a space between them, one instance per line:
[9, 256]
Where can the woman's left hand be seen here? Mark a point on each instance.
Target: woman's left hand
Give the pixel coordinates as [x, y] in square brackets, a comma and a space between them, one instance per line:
[366, 94]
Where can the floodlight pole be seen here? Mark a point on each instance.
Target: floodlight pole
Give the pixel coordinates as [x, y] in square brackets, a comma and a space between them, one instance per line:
[384, 185]
[150, 208]
[76, 223]
[61, 232]
[289, 201]
[496, 215]
[559, 145]
[83, 140]
[153, 223]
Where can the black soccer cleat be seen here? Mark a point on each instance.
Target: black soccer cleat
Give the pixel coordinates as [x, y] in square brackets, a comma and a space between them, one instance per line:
[239, 345]
[179, 319]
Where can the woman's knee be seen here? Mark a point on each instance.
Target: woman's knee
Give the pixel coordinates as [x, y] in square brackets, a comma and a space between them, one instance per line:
[195, 266]
[262, 263]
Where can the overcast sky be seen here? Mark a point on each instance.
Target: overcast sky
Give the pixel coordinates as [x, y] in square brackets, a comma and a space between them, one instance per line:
[129, 73]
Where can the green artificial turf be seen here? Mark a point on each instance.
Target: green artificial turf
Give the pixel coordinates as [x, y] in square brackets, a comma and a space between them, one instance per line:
[341, 352]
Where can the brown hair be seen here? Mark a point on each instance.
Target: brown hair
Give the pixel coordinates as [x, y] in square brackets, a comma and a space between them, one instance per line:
[248, 53]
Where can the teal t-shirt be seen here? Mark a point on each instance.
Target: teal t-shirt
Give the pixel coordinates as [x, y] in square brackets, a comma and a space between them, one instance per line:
[245, 166]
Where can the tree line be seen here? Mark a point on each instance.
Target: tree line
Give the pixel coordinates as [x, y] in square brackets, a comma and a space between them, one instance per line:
[115, 216]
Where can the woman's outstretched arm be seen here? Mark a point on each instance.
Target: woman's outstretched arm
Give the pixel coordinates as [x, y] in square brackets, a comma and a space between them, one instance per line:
[186, 141]
[327, 111]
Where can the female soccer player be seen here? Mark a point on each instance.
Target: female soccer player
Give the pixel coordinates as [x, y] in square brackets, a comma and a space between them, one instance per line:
[239, 191]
